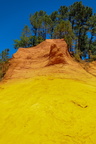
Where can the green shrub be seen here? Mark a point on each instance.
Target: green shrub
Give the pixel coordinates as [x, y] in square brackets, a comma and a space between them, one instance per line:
[92, 58]
[77, 55]
[3, 68]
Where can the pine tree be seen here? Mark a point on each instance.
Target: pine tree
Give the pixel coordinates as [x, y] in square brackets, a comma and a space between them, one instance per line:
[63, 13]
[92, 29]
[4, 55]
[64, 30]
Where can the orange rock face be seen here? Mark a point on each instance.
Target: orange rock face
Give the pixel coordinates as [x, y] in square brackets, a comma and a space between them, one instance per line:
[56, 55]
[26, 60]
[51, 57]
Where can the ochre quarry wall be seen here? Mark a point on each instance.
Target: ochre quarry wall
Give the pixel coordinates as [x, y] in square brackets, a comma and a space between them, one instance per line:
[91, 67]
[47, 98]
[49, 52]
[51, 57]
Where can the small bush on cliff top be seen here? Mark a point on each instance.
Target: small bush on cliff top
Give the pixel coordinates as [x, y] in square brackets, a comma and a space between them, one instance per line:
[4, 64]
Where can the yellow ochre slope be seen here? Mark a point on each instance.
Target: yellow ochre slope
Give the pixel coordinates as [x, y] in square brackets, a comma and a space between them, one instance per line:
[47, 111]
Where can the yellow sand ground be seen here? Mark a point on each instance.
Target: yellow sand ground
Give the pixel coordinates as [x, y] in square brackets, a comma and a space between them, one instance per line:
[47, 111]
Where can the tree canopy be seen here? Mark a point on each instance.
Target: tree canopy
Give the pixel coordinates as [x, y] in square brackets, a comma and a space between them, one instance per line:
[75, 23]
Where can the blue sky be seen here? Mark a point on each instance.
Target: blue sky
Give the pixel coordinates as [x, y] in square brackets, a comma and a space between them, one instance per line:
[14, 14]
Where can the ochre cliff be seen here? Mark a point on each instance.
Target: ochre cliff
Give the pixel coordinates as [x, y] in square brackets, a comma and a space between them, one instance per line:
[46, 97]
[50, 57]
